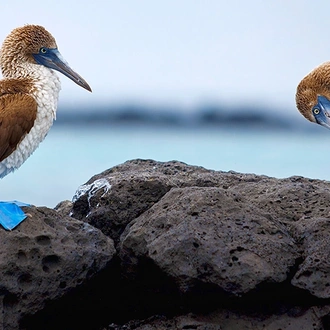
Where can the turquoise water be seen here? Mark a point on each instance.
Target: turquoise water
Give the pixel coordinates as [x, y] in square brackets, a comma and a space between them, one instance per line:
[69, 156]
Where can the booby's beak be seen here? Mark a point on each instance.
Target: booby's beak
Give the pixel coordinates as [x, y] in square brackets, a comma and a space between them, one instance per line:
[52, 58]
[321, 111]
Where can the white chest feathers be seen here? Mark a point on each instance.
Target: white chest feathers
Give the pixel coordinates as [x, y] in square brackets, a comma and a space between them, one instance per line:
[46, 90]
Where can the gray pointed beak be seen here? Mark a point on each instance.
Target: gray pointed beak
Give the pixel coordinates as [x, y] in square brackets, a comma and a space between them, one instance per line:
[52, 58]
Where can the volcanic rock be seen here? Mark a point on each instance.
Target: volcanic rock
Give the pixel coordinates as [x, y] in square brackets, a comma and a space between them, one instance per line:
[43, 259]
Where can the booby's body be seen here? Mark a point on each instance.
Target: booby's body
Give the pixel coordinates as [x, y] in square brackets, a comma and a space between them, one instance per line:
[45, 93]
[313, 95]
[28, 93]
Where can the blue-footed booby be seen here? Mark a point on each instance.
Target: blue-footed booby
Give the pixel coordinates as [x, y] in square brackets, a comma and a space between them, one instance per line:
[28, 101]
[313, 95]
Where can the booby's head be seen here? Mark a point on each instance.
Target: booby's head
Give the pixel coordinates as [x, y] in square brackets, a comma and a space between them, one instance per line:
[313, 96]
[33, 44]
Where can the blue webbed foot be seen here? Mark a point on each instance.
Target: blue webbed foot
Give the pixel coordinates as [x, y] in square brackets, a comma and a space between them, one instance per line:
[11, 215]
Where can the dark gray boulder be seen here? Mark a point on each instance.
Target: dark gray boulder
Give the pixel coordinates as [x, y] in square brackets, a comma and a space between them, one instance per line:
[211, 235]
[223, 250]
[43, 259]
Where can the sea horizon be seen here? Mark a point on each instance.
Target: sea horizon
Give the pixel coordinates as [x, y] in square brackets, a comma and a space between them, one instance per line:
[72, 154]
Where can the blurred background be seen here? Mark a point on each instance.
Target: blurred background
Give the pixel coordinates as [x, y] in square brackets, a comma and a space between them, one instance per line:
[210, 83]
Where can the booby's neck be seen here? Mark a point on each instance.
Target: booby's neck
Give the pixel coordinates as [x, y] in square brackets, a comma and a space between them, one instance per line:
[46, 88]
[44, 84]
[38, 74]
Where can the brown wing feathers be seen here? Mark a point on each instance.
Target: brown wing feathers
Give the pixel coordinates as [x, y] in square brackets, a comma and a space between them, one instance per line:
[17, 115]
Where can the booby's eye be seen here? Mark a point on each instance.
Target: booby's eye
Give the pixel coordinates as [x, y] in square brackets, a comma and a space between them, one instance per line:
[43, 50]
[316, 111]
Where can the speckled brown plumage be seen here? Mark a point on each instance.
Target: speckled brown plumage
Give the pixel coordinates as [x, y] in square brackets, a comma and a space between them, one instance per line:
[317, 82]
[20, 44]
[18, 111]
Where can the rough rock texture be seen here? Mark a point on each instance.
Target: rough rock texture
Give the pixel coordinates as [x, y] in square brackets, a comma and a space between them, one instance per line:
[210, 235]
[198, 234]
[226, 320]
[196, 249]
[314, 272]
[43, 259]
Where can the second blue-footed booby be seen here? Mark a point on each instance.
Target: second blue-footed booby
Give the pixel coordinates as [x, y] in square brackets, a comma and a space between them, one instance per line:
[313, 95]
[28, 100]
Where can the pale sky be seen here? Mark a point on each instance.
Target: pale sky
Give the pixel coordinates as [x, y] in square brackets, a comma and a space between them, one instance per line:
[182, 51]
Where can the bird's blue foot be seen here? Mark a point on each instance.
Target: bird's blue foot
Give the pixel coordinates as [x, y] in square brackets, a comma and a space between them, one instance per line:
[11, 215]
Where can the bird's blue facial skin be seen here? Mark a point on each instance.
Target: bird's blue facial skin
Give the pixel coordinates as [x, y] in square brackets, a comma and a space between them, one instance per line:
[321, 111]
[48, 57]
[52, 58]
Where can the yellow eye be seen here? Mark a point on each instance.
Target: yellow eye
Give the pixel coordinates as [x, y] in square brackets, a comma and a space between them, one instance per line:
[316, 111]
[43, 50]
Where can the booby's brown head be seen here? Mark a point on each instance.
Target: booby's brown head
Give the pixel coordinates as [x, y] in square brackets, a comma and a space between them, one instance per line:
[20, 45]
[313, 95]
[33, 44]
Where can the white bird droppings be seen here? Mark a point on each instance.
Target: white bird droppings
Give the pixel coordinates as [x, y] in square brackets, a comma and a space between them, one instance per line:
[92, 189]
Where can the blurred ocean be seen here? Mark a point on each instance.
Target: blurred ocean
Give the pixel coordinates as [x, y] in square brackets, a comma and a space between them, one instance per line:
[71, 154]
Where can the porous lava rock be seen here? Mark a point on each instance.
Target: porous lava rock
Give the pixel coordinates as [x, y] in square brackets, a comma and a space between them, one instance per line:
[210, 235]
[203, 249]
[43, 259]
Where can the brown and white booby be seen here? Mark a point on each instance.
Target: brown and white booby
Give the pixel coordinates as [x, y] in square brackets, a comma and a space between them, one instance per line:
[28, 100]
[313, 95]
